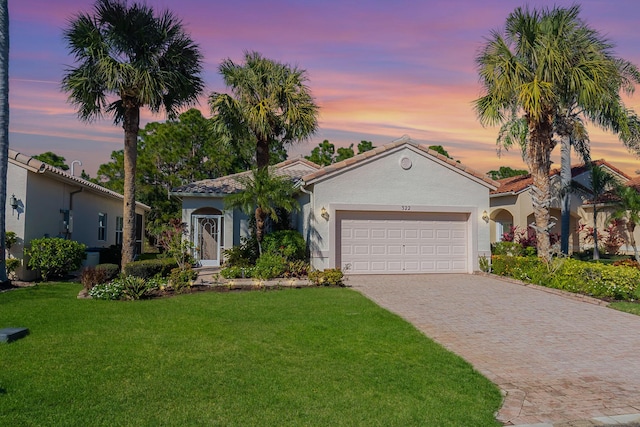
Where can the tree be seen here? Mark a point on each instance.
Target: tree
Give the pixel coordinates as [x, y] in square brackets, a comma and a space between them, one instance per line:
[263, 194]
[601, 182]
[440, 149]
[365, 146]
[531, 72]
[270, 104]
[628, 208]
[4, 130]
[172, 154]
[344, 153]
[52, 159]
[506, 172]
[322, 154]
[128, 58]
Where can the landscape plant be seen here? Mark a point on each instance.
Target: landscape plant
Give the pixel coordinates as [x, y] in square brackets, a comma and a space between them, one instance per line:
[54, 256]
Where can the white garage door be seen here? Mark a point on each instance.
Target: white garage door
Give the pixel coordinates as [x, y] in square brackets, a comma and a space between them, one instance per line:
[399, 242]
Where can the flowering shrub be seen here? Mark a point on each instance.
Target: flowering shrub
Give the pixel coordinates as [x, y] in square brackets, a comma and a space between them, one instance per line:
[327, 277]
[128, 287]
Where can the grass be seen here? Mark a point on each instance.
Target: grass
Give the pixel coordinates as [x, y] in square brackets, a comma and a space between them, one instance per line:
[305, 357]
[626, 306]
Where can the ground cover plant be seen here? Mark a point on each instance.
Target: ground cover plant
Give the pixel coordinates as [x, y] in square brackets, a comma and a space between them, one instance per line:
[316, 356]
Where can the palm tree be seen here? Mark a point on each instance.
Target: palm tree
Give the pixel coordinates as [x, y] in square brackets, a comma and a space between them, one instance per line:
[601, 182]
[545, 64]
[4, 129]
[270, 105]
[128, 58]
[628, 208]
[263, 194]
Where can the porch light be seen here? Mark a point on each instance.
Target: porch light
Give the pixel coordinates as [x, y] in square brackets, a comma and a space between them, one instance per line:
[485, 216]
[13, 202]
[324, 214]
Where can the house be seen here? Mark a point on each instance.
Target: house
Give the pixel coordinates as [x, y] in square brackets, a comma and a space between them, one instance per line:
[44, 201]
[511, 203]
[399, 208]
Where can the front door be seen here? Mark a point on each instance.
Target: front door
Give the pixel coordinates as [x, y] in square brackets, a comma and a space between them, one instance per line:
[207, 238]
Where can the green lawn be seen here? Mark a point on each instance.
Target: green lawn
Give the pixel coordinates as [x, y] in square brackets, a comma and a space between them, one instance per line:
[629, 307]
[301, 357]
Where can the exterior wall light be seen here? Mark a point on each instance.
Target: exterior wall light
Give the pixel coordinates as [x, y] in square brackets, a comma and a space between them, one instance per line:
[485, 216]
[324, 214]
[14, 202]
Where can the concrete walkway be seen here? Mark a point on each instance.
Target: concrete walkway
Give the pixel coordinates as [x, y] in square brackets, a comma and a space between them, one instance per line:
[556, 358]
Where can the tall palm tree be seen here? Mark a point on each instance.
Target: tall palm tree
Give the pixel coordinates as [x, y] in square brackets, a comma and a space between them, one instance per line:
[628, 208]
[4, 129]
[270, 105]
[546, 63]
[127, 58]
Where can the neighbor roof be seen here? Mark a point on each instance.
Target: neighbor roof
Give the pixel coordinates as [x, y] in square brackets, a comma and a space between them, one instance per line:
[29, 163]
[519, 183]
[293, 168]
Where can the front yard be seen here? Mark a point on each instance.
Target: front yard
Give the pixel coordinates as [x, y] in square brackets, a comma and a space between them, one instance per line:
[316, 356]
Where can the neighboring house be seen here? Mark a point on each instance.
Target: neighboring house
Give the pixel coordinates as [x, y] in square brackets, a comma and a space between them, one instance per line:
[399, 208]
[50, 202]
[511, 203]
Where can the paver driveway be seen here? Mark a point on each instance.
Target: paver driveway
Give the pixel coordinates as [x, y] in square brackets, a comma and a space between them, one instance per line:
[556, 358]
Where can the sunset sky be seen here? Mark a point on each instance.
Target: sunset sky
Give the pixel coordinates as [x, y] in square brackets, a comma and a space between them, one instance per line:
[378, 69]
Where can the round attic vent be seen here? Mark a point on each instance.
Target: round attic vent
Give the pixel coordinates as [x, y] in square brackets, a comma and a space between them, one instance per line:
[405, 163]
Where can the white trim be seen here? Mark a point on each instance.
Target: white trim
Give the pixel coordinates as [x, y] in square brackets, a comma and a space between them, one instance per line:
[218, 218]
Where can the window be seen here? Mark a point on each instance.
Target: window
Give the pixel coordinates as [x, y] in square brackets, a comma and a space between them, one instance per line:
[119, 225]
[102, 226]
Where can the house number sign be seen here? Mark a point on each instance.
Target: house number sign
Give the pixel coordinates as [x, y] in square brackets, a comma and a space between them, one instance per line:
[405, 208]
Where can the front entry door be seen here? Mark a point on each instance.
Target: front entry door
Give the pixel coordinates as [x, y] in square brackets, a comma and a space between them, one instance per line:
[207, 238]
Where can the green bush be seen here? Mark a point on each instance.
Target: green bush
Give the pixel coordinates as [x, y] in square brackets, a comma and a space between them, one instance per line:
[327, 277]
[111, 270]
[10, 239]
[528, 269]
[111, 255]
[507, 248]
[598, 280]
[289, 244]
[182, 278]
[113, 290]
[150, 268]
[11, 265]
[297, 269]
[270, 266]
[243, 255]
[55, 257]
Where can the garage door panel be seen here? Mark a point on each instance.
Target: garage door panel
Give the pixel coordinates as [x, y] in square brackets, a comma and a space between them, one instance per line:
[378, 242]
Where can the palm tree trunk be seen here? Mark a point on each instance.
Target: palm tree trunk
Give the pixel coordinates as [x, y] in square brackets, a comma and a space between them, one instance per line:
[596, 252]
[262, 154]
[260, 224]
[631, 226]
[4, 129]
[131, 127]
[565, 180]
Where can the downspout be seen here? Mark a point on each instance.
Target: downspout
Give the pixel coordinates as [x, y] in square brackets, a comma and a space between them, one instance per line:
[313, 210]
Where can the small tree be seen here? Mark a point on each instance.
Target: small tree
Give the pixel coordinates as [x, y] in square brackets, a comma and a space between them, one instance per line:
[601, 182]
[628, 209]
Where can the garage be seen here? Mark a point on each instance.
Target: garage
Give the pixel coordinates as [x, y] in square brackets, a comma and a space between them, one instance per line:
[403, 242]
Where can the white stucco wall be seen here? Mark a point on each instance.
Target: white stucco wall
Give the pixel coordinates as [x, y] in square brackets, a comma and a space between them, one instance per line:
[382, 184]
[231, 232]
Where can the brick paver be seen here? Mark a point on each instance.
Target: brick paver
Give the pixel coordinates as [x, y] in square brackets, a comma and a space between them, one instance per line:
[556, 358]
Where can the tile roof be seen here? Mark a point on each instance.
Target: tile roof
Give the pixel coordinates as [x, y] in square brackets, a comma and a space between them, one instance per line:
[517, 184]
[34, 165]
[293, 168]
[405, 140]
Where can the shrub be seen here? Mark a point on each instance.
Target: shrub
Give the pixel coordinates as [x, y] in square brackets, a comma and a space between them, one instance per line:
[113, 290]
[11, 265]
[111, 255]
[55, 257]
[297, 269]
[243, 255]
[529, 269]
[507, 248]
[111, 270]
[598, 280]
[150, 268]
[627, 263]
[269, 266]
[289, 244]
[134, 287]
[92, 276]
[10, 239]
[327, 277]
[181, 278]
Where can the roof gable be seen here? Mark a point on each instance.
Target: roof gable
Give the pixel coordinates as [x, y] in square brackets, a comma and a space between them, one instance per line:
[369, 156]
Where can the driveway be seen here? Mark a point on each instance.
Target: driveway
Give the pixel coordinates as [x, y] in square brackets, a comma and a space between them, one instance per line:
[556, 358]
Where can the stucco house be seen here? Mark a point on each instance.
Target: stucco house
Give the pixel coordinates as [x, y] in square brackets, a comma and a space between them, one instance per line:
[399, 208]
[43, 200]
[511, 203]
